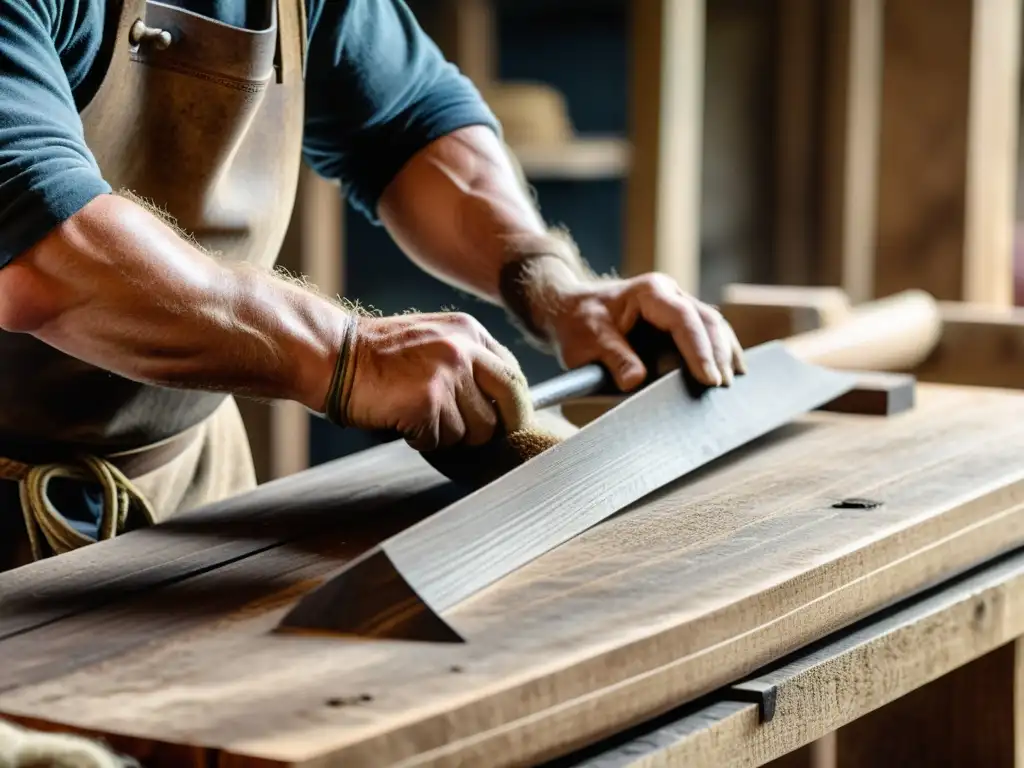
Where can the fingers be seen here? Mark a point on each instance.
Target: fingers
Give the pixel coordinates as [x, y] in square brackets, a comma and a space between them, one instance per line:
[720, 334]
[663, 305]
[622, 362]
[703, 336]
[739, 364]
[506, 387]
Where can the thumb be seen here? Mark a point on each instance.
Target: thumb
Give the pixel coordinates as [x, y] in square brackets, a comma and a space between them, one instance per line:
[621, 361]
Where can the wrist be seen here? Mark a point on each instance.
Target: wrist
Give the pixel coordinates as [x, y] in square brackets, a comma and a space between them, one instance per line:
[335, 388]
[535, 281]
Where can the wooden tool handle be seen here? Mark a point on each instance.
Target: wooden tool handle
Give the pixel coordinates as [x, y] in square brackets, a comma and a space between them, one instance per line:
[894, 333]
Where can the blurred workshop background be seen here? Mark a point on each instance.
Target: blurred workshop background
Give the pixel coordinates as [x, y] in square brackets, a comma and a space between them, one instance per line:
[866, 144]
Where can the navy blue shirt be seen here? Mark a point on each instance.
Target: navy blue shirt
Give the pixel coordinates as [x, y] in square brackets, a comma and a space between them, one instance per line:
[377, 91]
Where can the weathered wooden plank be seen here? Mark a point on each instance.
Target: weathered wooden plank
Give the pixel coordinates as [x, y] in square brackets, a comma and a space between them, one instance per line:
[384, 480]
[679, 595]
[841, 680]
[654, 437]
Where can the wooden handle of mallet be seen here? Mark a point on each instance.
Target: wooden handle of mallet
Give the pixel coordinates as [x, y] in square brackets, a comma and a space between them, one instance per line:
[891, 334]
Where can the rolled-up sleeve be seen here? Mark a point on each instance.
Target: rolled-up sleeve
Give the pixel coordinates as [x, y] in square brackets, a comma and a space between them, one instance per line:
[377, 91]
[47, 172]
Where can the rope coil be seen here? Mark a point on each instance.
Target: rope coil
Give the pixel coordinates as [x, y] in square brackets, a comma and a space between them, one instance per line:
[49, 531]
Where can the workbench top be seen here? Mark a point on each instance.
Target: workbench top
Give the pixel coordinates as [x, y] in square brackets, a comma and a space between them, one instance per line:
[164, 637]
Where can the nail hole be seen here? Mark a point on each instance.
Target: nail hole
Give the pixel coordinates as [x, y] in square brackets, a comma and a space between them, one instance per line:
[344, 701]
[455, 668]
[979, 611]
[856, 503]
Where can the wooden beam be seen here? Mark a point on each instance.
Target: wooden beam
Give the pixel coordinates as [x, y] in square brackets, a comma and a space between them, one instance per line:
[760, 313]
[992, 152]
[796, 134]
[666, 125]
[466, 30]
[948, 149]
[850, 157]
[907, 688]
[980, 345]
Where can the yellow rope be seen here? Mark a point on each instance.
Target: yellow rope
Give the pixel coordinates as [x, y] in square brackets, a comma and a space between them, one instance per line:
[47, 528]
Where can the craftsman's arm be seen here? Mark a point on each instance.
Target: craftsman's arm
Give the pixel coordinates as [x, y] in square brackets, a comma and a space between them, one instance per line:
[460, 209]
[115, 286]
[100, 277]
[416, 148]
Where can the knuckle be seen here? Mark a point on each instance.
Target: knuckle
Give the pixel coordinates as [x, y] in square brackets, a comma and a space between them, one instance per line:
[426, 404]
[450, 352]
[465, 322]
[657, 282]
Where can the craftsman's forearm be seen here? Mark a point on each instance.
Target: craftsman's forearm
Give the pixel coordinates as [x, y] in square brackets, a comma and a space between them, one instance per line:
[459, 210]
[116, 287]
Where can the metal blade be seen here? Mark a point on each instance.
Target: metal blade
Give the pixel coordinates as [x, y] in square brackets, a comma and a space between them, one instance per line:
[670, 428]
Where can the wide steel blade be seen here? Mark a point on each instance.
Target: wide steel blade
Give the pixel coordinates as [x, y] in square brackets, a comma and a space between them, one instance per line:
[650, 439]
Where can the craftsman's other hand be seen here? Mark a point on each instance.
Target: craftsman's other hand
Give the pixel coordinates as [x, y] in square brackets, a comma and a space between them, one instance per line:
[438, 379]
[588, 320]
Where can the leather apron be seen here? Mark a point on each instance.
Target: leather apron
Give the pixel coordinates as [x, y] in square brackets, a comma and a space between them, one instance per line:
[204, 120]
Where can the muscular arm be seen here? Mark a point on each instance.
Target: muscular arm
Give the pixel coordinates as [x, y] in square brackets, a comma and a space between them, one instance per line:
[115, 286]
[459, 210]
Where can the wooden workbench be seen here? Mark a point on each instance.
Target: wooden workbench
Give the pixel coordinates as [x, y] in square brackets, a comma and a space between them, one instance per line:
[958, 634]
[162, 642]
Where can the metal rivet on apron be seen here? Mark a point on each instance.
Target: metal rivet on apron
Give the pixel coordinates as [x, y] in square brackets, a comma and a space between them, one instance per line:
[140, 33]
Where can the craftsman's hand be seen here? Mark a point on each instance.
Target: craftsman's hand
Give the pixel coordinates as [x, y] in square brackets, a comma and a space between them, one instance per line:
[437, 379]
[587, 321]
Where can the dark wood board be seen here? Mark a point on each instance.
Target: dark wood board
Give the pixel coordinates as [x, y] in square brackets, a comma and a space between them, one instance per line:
[402, 587]
[385, 480]
[877, 394]
[707, 580]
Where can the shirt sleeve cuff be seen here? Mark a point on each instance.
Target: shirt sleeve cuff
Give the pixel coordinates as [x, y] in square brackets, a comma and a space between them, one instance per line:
[35, 212]
[428, 126]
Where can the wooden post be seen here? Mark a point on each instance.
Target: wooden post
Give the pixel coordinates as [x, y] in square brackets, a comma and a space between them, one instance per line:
[850, 154]
[666, 111]
[948, 149]
[466, 32]
[796, 137]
